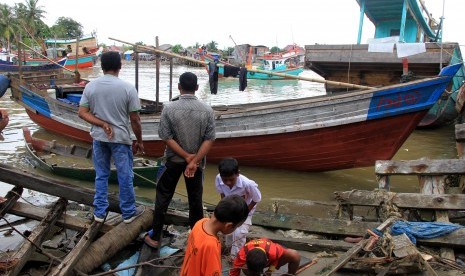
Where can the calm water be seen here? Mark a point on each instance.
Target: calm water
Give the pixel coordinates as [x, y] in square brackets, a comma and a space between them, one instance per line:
[295, 189]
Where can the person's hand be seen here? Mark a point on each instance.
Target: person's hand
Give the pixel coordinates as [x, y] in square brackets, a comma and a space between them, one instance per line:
[108, 130]
[138, 148]
[189, 158]
[191, 169]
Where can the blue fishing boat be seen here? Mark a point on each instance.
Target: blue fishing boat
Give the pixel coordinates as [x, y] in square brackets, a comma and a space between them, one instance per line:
[407, 45]
[285, 63]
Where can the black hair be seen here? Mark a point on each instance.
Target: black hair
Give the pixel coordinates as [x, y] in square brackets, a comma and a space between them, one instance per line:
[232, 208]
[228, 167]
[256, 261]
[188, 82]
[110, 61]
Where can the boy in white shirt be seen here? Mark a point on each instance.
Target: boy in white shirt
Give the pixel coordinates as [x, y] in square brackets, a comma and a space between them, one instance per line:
[230, 182]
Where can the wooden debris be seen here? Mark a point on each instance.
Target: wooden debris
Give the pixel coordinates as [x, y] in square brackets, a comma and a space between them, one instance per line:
[68, 263]
[10, 200]
[113, 241]
[403, 246]
[37, 236]
[67, 221]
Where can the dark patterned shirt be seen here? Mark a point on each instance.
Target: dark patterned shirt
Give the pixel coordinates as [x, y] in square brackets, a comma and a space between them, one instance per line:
[189, 122]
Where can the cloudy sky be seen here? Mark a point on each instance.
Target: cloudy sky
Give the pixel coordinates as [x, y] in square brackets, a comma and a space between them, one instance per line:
[255, 22]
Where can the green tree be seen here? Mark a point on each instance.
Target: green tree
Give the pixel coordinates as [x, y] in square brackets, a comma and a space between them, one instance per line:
[275, 49]
[177, 48]
[8, 25]
[66, 27]
[29, 17]
[212, 46]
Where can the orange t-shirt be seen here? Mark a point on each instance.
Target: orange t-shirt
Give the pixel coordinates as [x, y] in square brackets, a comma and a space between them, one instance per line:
[203, 253]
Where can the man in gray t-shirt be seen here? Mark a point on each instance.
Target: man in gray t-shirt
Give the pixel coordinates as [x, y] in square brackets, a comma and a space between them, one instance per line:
[187, 126]
[110, 104]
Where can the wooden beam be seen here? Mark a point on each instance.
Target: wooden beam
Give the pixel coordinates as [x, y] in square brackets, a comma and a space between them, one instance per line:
[67, 221]
[68, 263]
[37, 236]
[402, 200]
[423, 167]
[312, 224]
[26, 179]
[303, 244]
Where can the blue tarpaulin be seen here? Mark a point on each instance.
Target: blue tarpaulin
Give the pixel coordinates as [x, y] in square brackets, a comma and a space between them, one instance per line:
[423, 230]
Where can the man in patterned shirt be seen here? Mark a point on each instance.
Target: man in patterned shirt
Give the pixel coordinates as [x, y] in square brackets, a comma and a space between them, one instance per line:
[188, 129]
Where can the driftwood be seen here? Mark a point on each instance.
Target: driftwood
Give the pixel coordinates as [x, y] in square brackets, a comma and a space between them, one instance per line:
[402, 200]
[67, 265]
[10, 200]
[113, 241]
[37, 236]
[312, 224]
[67, 221]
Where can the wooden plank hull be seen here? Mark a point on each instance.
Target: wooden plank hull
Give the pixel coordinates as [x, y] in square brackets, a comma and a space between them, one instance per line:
[310, 134]
[355, 64]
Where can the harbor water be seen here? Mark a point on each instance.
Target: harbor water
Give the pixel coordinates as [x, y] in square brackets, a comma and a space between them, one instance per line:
[294, 190]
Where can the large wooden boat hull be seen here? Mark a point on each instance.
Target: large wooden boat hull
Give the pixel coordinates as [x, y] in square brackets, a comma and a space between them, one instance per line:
[354, 64]
[7, 67]
[311, 134]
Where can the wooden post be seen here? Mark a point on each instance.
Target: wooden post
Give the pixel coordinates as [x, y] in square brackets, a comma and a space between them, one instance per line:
[157, 76]
[37, 236]
[136, 60]
[460, 145]
[171, 79]
[436, 185]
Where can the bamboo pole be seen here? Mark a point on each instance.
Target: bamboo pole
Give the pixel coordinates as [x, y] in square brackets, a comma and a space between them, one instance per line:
[52, 61]
[157, 76]
[287, 76]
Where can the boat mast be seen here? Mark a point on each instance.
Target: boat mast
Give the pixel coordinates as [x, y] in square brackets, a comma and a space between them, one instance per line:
[360, 25]
[442, 28]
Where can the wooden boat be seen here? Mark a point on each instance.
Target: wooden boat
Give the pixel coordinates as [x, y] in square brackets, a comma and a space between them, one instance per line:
[363, 64]
[75, 161]
[6, 67]
[61, 48]
[341, 131]
[285, 63]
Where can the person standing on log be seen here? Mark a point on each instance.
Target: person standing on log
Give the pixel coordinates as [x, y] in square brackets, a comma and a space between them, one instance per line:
[110, 105]
[187, 127]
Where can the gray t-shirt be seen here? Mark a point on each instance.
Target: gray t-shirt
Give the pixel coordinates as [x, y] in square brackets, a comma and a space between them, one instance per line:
[189, 122]
[111, 99]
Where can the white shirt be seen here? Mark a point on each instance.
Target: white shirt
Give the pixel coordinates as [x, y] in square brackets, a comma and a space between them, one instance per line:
[245, 188]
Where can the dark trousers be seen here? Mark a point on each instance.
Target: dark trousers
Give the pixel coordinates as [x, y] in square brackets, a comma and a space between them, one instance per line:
[166, 187]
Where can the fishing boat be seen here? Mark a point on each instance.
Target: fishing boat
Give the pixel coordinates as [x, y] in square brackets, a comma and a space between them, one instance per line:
[75, 161]
[407, 45]
[61, 48]
[285, 63]
[330, 132]
[6, 67]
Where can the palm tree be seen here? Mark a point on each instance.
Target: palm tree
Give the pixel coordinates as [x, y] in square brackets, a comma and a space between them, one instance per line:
[212, 46]
[8, 24]
[30, 16]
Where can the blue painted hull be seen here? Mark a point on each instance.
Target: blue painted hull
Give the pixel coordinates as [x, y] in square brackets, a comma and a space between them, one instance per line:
[4, 84]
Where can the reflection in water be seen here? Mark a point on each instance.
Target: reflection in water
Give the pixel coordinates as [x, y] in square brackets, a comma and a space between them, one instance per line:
[295, 187]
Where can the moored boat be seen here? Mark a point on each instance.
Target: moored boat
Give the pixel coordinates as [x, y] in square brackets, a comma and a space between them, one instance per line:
[75, 161]
[407, 45]
[341, 131]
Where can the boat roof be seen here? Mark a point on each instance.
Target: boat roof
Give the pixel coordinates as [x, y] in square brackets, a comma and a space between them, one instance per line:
[391, 10]
[64, 41]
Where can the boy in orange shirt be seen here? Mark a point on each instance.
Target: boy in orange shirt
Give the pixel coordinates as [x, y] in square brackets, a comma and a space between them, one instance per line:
[203, 252]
